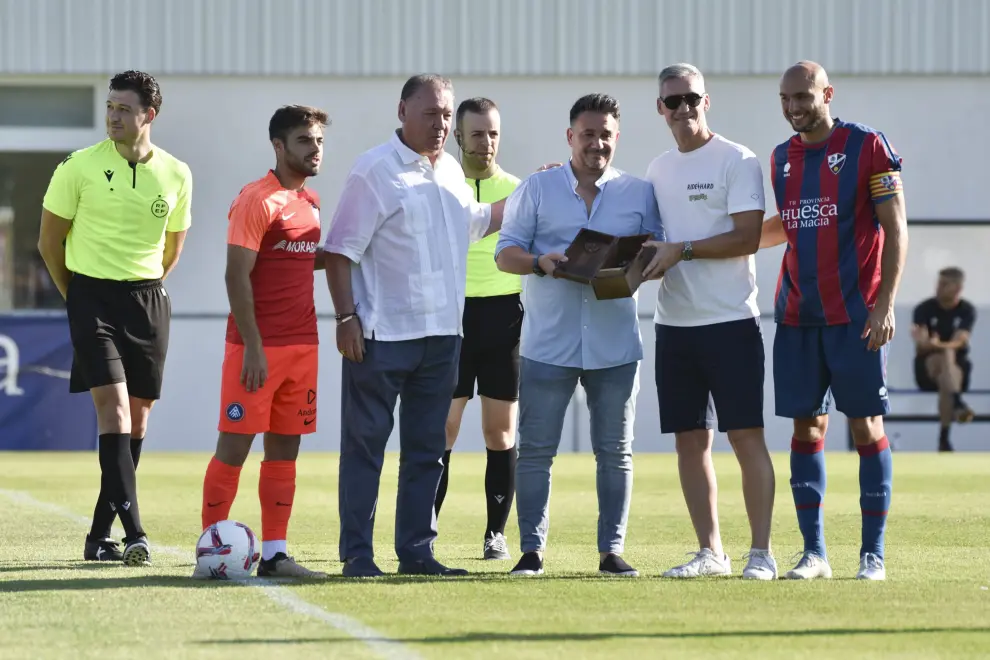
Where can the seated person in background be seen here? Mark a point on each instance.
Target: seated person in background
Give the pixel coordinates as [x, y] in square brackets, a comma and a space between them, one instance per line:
[941, 330]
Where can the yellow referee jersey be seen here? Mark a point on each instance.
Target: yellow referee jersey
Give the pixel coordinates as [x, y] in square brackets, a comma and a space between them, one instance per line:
[119, 210]
[484, 279]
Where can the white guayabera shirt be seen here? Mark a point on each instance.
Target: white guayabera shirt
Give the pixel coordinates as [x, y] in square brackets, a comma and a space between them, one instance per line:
[406, 225]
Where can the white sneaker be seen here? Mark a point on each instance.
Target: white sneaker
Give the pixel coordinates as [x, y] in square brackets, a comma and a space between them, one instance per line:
[703, 564]
[871, 568]
[496, 547]
[761, 566]
[810, 567]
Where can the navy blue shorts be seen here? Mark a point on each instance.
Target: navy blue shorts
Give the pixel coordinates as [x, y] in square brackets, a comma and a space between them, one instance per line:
[705, 369]
[813, 364]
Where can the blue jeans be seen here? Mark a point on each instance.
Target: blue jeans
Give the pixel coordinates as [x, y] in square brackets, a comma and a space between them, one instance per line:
[544, 393]
[422, 372]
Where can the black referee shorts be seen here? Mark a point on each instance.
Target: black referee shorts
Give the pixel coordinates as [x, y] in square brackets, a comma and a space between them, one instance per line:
[119, 334]
[490, 350]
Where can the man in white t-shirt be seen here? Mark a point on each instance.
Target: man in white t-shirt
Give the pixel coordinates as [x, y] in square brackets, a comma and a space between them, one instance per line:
[709, 344]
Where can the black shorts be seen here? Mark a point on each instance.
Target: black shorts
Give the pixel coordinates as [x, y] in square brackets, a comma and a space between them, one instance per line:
[925, 382]
[490, 350]
[720, 364]
[119, 334]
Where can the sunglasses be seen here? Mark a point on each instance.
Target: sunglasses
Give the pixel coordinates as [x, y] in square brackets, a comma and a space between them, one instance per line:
[673, 102]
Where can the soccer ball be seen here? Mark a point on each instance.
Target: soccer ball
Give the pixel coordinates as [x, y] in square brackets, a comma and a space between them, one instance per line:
[227, 550]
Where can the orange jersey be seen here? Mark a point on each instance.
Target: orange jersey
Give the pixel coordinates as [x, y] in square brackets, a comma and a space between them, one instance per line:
[283, 227]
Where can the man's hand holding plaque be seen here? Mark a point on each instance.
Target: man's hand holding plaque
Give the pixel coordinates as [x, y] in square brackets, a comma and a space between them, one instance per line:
[667, 256]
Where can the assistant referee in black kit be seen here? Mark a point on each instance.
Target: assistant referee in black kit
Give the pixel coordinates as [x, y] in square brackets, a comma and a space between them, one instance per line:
[114, 220]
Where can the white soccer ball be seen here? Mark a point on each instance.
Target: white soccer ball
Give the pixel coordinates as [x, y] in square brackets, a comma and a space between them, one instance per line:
[227, 550]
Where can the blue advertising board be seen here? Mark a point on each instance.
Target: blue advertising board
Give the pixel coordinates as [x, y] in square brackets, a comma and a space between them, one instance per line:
[36, 410]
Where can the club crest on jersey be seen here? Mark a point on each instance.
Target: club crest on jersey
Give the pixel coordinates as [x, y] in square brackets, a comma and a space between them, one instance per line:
[235, 412]
[835, 162]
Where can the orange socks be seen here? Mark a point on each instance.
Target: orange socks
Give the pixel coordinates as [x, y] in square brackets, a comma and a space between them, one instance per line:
[276, 490]
[219, 490]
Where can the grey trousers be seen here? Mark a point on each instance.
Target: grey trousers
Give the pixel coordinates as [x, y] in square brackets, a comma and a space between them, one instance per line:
[422, 373]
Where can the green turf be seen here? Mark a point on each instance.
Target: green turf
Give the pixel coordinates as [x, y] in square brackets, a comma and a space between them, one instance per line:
[935, 602]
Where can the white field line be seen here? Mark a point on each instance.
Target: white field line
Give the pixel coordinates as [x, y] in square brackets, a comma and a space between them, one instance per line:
[381, 645]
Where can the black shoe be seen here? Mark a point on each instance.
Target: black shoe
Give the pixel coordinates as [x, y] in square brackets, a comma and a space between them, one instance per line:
[101, 550]
[429, 567]
[615, 566]
[945, 445]
[361, 567]
[529, 564]
[136, 552]
[963, 413]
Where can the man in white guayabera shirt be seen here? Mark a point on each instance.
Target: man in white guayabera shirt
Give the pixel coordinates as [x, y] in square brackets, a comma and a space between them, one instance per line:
[709, 344]
[396, 256]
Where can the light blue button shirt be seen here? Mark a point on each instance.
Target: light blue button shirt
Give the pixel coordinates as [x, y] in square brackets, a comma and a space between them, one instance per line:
[564, 324]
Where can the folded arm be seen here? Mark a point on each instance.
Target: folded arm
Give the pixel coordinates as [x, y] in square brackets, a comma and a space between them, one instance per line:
[51, 246]
[174, 240]
[772, 233]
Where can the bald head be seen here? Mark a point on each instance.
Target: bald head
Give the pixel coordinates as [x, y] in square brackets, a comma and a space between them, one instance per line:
[805, 95]
[809, 71]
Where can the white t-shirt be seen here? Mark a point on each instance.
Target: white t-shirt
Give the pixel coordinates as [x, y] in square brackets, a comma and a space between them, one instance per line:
[697, 192]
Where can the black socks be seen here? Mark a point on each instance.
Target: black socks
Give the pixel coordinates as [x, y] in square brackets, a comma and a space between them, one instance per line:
[500, 487]
[444, 478]
[119, 455]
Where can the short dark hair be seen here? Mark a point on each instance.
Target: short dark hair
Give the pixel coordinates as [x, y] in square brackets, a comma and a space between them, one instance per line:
[953, 273]
[478, 105]
[601, 103]
[290, 117]
[413, 84]
[141, 83]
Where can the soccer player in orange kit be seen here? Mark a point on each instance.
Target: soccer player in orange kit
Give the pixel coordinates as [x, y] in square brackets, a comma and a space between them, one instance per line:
[271, 355]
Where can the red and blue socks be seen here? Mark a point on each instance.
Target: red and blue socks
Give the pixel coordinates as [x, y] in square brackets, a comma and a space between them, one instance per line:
[808, 490]
[875, 481]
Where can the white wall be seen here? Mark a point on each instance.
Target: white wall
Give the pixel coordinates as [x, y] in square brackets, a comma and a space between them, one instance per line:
[186, 417]
[219, 126]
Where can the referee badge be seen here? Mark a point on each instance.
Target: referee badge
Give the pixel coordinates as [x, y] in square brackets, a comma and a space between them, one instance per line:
[159, 207]
[235, 412]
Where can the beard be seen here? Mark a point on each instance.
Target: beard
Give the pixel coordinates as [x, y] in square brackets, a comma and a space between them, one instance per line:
[301, 167]
[597, 161]
[811, 124]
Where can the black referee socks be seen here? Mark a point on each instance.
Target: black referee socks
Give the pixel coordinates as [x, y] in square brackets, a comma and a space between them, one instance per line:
[119, 481]
[500, 487]
[103, 513]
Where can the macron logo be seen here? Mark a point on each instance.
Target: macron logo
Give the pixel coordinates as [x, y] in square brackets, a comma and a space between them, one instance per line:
[308, 247]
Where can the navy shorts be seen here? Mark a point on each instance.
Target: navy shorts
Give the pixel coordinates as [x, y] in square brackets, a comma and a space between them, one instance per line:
[709, 369]
[814, 364]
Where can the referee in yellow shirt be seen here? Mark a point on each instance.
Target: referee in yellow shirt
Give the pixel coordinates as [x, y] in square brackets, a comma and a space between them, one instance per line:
[114, 220]
[492, 323]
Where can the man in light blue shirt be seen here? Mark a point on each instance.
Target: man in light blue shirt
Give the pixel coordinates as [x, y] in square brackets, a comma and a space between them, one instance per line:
[569, 336]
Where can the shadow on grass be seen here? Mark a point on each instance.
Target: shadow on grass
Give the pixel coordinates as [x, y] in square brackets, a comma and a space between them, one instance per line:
[468, 638]
[24, 567]
[117, 581]
[185, 581]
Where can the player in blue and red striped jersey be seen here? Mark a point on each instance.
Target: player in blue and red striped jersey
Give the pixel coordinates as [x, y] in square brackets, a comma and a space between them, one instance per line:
[842, 213]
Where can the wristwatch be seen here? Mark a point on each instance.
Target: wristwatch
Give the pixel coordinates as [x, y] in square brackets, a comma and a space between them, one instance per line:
[536, 266]
[687, 252]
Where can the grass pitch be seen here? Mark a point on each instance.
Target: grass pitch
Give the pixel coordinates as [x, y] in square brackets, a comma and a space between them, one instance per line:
[935, 602]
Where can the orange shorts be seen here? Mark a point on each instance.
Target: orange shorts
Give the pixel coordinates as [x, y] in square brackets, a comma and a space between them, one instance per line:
[286, 404]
